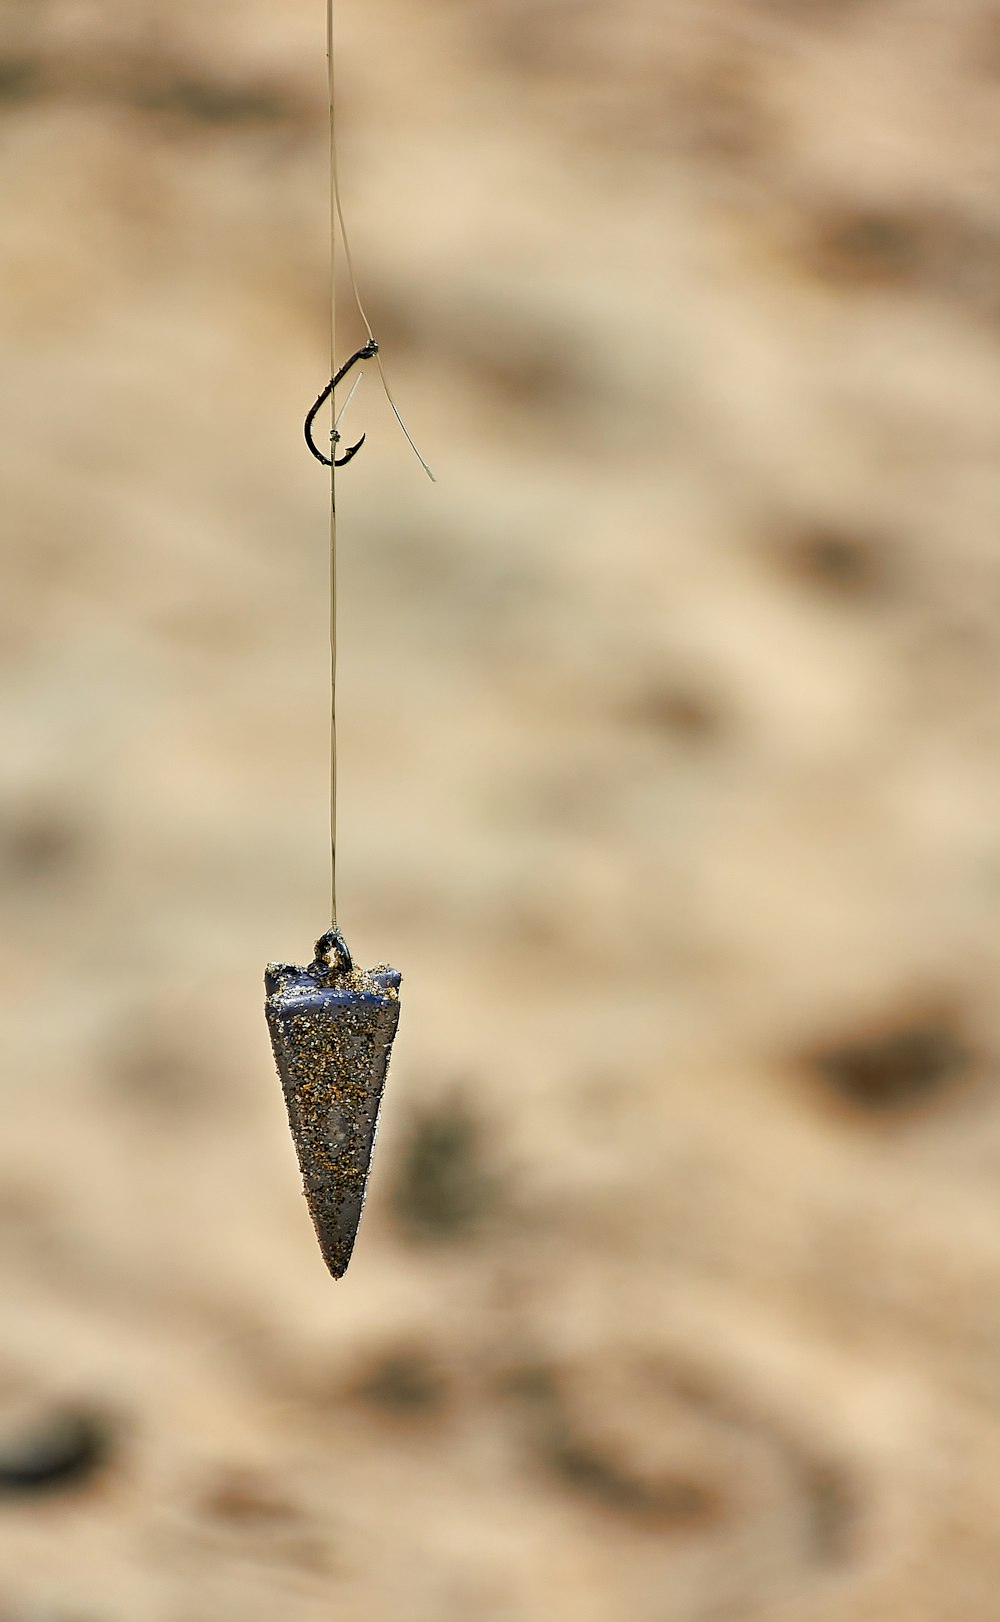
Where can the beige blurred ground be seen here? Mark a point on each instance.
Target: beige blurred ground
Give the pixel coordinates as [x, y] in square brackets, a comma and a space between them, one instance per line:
[671, 777]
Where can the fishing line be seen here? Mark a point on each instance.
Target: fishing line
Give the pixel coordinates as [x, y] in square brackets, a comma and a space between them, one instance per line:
[372, 349]
[341, 413]
[348, 261]
[334, 215]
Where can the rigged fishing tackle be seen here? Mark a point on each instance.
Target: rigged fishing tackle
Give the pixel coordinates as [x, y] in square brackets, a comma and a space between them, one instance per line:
[332, 1024]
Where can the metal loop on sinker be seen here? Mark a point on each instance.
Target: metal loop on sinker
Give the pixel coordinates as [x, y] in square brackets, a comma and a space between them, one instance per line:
[332, 953]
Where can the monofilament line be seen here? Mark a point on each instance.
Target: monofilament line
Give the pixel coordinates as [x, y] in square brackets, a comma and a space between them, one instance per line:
[334, 212]
[339, 239]
[338, 220]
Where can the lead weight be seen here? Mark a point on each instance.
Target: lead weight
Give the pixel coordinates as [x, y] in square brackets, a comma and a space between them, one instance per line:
[331, 1028]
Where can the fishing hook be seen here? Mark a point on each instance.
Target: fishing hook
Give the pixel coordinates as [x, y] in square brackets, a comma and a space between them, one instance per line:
[367, 352]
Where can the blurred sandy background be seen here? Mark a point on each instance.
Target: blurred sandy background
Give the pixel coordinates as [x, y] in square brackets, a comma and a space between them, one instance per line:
[670, 772]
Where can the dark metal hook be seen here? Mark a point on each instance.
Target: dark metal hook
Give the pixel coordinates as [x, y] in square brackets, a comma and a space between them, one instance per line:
[367, 352]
